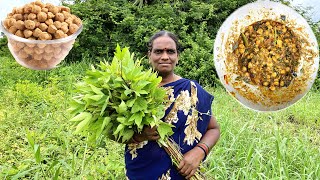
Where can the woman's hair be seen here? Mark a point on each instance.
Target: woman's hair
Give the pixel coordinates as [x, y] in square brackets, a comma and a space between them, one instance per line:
[164, 33]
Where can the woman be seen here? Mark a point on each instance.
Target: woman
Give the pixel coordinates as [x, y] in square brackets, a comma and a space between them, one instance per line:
[189, 110]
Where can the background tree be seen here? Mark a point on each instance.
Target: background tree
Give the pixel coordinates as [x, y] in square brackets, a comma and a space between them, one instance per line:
[196, 23]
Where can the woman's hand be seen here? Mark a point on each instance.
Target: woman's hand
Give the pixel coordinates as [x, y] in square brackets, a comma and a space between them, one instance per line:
[192, 159]
[147, 134]
[190, 162]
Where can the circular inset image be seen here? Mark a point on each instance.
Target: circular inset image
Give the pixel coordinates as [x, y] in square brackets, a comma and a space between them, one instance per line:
[266, 56]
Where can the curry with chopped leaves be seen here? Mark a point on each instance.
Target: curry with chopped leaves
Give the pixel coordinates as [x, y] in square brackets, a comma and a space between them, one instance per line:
[268, 54]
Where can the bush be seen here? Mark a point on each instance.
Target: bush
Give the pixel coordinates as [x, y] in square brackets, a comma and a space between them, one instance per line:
[196, 23]
[110, 22]
[4, 50]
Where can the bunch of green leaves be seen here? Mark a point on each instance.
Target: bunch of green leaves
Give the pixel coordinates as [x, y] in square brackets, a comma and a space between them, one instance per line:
[118, 99]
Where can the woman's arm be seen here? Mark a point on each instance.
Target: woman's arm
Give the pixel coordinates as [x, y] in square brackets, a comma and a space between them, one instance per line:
[193, 158]
[212, 135]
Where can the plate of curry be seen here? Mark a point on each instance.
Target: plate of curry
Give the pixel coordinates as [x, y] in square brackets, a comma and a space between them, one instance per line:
[266, 56]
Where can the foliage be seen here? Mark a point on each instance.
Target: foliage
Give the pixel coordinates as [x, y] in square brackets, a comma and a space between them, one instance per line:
[119, 99]
[4, 50]
[107, 23]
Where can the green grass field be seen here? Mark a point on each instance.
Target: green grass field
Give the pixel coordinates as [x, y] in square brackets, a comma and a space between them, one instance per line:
[36, 140]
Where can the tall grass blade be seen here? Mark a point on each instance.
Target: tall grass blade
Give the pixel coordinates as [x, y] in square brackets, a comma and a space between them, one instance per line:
[37, 154]
[56, 174]
[30, 139]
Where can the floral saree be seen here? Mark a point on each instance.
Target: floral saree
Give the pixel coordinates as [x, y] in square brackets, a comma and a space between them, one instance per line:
[189, 110]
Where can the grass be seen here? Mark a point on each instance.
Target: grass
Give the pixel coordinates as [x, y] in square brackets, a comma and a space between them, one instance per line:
[36, 140]
[33, 105]
[278, 145]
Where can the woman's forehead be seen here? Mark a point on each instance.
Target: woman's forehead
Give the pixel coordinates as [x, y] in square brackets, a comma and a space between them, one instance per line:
[164, 42]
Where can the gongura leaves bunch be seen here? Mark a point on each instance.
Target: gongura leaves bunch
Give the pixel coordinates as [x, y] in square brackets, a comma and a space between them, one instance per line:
[118, 99]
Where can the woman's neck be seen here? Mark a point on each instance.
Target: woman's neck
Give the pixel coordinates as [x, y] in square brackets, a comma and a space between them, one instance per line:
[169, 78]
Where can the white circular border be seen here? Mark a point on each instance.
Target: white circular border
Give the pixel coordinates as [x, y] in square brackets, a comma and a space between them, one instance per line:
[245, 16]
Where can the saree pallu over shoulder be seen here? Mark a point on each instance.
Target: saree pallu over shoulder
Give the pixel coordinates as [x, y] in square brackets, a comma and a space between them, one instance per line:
[189, 109]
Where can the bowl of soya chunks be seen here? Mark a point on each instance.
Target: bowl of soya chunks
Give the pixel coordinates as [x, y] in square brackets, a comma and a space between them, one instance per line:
[40, 35]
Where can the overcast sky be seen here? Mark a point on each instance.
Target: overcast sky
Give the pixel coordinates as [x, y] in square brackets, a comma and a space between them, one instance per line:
[7, 6]
[314, 12]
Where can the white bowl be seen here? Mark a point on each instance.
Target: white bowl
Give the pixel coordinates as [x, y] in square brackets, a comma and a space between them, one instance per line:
[250, 95]
[39, 54]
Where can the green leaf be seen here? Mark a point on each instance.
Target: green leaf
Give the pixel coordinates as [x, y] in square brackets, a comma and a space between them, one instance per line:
[114, 67]
[83, 124]
[130, 102]
[105, 123]
[123, 96]
[93, 97]
[22, 174]
[128, 133]
[118, 79]
[107, 129]
[155, 79]
[127, 92]
[56, 174]
[96, 128]
[136, 118]
[104, 105]
[76, 102]
[30, 139]
[37, 154]
[117, 82]
[122, 108]
[134, 73]
[105, 80]
[250, 152]
[139, 105]
[119, 128]
[54, 163]
[93, 73]
[83, 87]
[124, 121]
[95, 89]
[154, 123]
[127, 59]
[76, 110]
[148, 119]
[159, 94]
[80, 117]
[164, 130]
[138, 92]
[140, 84]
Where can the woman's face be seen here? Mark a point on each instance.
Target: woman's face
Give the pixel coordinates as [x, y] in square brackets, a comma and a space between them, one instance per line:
[163, 56]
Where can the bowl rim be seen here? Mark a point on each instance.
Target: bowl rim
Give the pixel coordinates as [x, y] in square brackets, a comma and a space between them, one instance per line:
[20, 39]
[221, 43]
